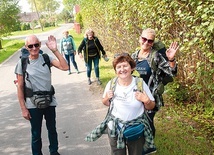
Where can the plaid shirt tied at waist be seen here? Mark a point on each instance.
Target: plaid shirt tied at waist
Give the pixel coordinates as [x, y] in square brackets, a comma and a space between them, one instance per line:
[100, 130]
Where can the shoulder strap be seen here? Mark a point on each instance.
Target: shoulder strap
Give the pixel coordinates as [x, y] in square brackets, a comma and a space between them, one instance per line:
[139, 83]
[24, 62]
[113, 84]
[47, 61]
[151, 60]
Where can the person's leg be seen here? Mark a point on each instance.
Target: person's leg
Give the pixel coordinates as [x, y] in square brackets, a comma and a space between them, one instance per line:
[151, 122]
[89, 67]
[135, 147]
[151, 116]
[74, 62]
[36, 125]
[67, 57]
[50, 117]
[113, 145]
[96, 61]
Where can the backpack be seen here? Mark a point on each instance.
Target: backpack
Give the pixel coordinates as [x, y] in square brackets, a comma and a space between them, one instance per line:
[25, 52]
[25, 61]
[138, 81]
[158, 47]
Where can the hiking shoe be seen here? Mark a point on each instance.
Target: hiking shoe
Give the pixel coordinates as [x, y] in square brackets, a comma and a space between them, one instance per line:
[89, 82]
[149, 151]
[99, 82]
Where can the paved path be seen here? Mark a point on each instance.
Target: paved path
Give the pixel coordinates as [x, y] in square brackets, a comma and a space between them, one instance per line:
[78, 112]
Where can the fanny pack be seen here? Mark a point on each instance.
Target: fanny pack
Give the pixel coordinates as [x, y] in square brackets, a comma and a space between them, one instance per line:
[41, 99]
[133, 132]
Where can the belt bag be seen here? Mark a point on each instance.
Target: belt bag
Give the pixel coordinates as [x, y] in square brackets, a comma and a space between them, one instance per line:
[133, 132]
[42, 99]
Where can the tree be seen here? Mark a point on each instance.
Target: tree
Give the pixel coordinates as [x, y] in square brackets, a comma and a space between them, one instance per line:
[9, 11]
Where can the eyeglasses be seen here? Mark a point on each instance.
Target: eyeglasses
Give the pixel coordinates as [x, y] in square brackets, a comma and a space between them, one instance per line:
[121, 54]
[147, 40]
[35, 45]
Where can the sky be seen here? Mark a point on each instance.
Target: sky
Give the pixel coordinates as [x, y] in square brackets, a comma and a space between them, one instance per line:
[26, 8]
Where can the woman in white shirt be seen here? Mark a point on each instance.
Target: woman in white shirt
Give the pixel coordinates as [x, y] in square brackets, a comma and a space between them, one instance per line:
[127, 107]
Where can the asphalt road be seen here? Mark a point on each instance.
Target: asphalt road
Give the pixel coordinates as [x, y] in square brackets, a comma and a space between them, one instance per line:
[79, 110]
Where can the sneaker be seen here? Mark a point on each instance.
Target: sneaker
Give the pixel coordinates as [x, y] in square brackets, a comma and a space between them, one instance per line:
[77, 71]
[69, 72]
[89, 82]
[149, 151]
[99, 82]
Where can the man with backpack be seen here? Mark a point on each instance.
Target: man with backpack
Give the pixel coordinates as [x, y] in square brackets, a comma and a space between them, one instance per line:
[68, 48]
[35, 92]
[157, 69]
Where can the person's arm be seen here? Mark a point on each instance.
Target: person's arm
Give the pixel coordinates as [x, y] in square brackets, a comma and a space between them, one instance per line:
[80, 48]
[61, 62]
[100, 46]
[20, 90]
[146, 97]
[107, 95]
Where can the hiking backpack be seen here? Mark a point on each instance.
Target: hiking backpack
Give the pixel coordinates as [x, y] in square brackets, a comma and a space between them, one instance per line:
[158, 47]
[25, 53]
[138, 81]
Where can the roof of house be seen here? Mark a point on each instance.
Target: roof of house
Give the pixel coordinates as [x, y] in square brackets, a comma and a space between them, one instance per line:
[28, 16]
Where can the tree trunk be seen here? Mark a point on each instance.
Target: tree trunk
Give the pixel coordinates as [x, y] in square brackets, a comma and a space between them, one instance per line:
[0, 45]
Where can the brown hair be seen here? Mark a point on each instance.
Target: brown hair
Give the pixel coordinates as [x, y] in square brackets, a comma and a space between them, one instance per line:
[122, 57]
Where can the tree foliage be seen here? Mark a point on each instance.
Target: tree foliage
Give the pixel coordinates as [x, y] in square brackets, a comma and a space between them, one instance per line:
[118, 23]
[8, 16]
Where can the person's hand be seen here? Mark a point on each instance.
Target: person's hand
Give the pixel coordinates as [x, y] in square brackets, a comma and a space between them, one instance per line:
[80, 55]
[51, 43]
[141, 96]
[26, 114]
[171, 51]
[110, 94]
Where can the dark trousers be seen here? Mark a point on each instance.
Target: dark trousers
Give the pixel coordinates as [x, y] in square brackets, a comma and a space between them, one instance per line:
[72, 58]
[95, 60]
[36, 127]
[133, 147]
[151, 122]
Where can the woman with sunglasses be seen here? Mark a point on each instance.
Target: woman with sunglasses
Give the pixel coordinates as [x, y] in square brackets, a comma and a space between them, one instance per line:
[127, 106]
[151, 77]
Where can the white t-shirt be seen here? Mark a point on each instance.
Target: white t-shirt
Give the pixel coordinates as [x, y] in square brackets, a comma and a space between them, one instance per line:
[125, 106]
[39, 76]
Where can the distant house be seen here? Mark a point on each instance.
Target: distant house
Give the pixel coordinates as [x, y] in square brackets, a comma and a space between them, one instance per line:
[28, 17]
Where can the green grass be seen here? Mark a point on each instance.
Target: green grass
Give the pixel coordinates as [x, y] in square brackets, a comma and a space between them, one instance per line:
[176, 133]
[17, 33]
[9, 47]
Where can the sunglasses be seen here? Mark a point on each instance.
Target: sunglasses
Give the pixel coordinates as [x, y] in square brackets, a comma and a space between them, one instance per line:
[35, 45]
[121, 54]
[147, 40]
